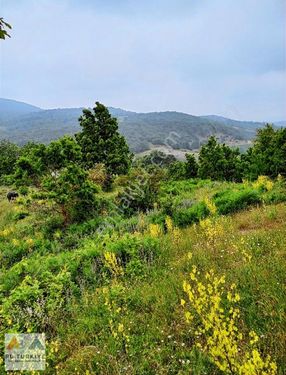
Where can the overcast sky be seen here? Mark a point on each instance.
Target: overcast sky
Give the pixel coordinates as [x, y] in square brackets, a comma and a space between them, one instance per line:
[221, 57]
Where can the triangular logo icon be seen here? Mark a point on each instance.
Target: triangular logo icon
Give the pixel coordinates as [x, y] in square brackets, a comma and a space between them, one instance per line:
[13, 344]
[36, 345]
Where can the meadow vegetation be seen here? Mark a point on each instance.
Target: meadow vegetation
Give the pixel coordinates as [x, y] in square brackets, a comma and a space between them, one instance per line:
[159, 267]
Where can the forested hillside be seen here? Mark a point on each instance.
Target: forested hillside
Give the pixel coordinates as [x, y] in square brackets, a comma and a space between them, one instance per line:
[21, 123]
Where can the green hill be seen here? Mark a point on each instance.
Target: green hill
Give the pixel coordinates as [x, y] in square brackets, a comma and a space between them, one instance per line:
[10, 109]
[20, 123]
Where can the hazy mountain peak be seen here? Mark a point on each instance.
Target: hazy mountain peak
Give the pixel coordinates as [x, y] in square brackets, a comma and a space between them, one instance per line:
[12, 108]
[21, 122]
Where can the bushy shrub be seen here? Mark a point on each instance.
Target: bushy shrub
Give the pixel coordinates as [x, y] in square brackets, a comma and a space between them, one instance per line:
[23, 190]
[231, 201]
[182, 186]
[74, 193]
[85, 228]
[52, 224]
[13, 252]
[155, 158]
[36, 303]
[177, 170]
[191, 215]
[135, 268]
[130, 248]
[275, 196]
[86, 264]
[156, 217]
[141, 192]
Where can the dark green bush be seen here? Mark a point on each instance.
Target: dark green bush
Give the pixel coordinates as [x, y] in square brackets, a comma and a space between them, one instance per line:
[53, 224]
[275, 196]
[156, 218]
[11, 254]
[191, 215]
[23, 190]
[141, 192]
[232, 201]
[177, 170]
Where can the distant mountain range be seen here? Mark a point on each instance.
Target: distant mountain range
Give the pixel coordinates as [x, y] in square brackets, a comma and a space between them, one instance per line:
[21, 122]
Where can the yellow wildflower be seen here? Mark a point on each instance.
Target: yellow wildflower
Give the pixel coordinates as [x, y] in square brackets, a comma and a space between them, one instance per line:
[169, 224]
[15, 242]
[218, 326]
[112, 264]
[210, 205]
[155, 230]
[30, 242]
[263, 182]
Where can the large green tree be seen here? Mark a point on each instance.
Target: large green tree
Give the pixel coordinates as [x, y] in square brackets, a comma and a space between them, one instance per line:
[219, 162]
[268, 154]
[101, 142]
[191, 166]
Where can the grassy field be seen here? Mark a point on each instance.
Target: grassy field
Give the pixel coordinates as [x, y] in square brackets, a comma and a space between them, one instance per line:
[114, 303]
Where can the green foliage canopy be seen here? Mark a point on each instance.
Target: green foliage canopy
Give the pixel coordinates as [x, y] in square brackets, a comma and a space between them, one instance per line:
[101, 142]
[9, 153]
[74, 193]
[219, 162]
[268, 154]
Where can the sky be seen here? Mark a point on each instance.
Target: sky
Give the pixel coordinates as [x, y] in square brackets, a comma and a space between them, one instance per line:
[201, 57]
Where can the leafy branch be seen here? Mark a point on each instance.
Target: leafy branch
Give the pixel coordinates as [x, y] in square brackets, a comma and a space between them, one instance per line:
[4, 25]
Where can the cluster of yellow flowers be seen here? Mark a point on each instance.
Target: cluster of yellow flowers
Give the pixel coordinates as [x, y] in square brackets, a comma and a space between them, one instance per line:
[41, 202]
[54, 346]
[213, 229]
[264, 182]
[30, 242]
[210, 205]
[15, 242]
[174, 231]
[6, 232]
[218, 326]
[169, 224]
[246, 256]
[111, 262]
[116, 326]
[155, 230]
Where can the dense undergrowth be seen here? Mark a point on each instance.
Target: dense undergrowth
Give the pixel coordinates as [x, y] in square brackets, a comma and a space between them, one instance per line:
[109, 292]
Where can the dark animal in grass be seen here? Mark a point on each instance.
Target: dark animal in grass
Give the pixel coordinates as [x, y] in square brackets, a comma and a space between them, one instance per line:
[12, 195]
